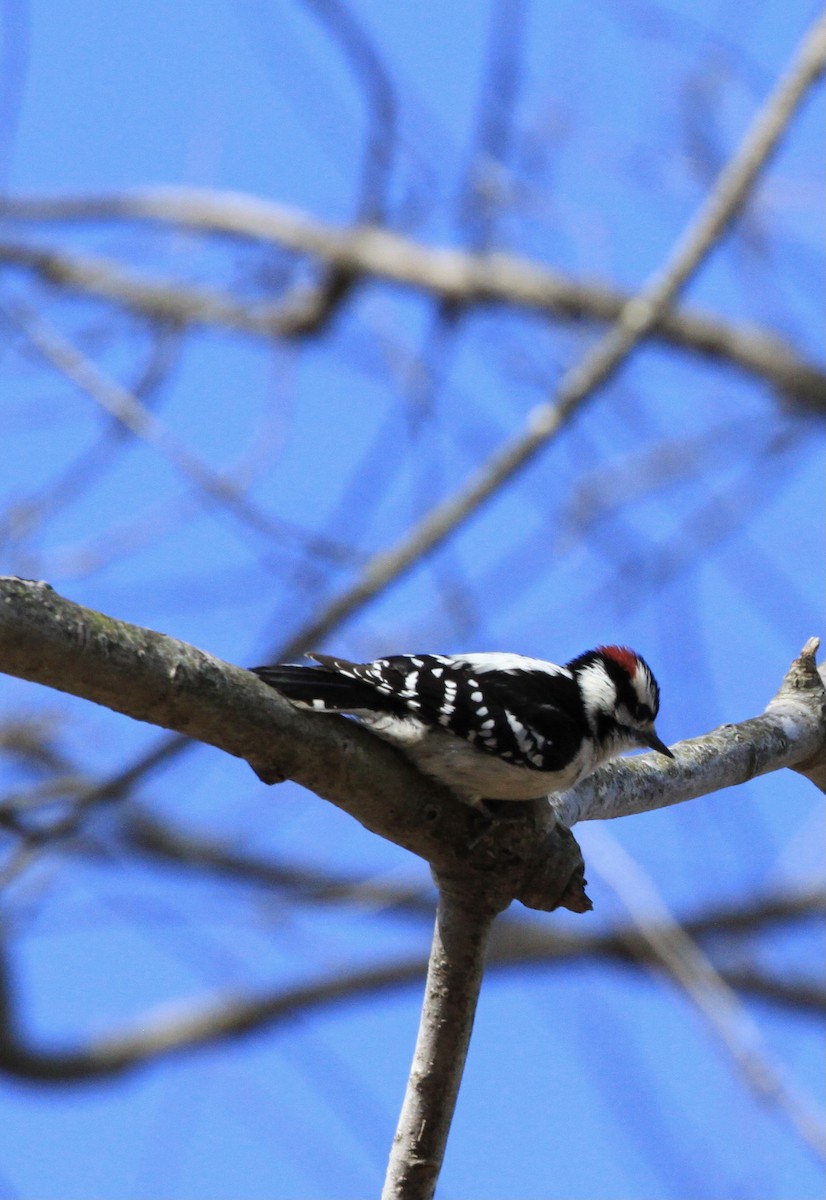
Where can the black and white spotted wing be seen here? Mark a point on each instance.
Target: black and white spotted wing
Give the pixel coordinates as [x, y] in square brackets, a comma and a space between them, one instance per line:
[471, 697]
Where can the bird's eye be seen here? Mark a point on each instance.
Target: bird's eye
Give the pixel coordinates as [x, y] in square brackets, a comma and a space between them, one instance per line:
[644, 713]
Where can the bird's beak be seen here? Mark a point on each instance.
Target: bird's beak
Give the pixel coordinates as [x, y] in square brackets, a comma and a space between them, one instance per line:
[648, 737]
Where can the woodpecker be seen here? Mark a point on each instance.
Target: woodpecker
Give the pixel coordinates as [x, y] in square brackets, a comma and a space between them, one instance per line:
[490, 726]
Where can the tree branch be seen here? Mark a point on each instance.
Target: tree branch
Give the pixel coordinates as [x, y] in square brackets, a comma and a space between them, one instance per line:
[514, 944]
[790, 733]
[150, 677]
[210, 857]
[141, 422]
[456, 277]
[695, 974]
[635, 322]
[454, 977]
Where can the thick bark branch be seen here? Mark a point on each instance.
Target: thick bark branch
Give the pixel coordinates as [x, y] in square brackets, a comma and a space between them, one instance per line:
[150, 677]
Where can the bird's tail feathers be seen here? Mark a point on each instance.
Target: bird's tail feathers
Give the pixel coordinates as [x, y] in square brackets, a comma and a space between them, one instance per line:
[320, 688]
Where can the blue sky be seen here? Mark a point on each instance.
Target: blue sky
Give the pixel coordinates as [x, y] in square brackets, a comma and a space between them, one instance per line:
[681, 513]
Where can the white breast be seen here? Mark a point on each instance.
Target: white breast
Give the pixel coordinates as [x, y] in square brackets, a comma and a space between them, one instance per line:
[468, 771]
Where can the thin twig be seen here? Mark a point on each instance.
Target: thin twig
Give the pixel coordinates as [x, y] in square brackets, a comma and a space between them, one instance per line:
[719, 1004]
[187, 1025]
[582, 382]
[166, 842]
[381, 106]
[124, 406]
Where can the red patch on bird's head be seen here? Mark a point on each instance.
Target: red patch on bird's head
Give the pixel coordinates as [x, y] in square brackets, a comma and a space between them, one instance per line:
[626, 658]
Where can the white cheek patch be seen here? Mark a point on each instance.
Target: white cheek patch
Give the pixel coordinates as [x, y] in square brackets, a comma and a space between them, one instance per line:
[598, 691]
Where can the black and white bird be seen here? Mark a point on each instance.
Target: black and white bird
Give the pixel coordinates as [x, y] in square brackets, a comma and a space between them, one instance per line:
[490, 726]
